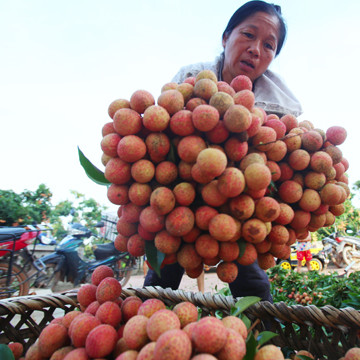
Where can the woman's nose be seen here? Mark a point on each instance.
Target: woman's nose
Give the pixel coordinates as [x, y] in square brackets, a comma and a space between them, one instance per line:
[254, 48]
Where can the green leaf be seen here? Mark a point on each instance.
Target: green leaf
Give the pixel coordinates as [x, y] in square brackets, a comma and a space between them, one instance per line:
[219, 314]
[265, 336]
[244, 303]
[242, 247]
[154, 256]
[246, 321]
[6, 353]
[92, 171]
[251, 347]
[303, 357]
[171, 154]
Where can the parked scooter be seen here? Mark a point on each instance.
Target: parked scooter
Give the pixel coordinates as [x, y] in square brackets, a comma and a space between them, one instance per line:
[16, 259]
[333, 248]
[349, 247]
[65, 263]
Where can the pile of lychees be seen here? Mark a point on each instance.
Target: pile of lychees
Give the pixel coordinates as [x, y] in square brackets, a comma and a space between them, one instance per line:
[111, 327]
[210, 178]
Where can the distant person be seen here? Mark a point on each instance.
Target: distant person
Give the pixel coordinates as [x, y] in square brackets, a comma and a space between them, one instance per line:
[303, 247]
[201, 282]
[254, 35]
[145, 267]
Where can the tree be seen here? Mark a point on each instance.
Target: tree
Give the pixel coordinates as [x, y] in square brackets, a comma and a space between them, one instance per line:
[35, 207]
[26, 207]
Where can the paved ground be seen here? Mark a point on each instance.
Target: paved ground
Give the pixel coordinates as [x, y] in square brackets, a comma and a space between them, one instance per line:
[212, 282]
[136, 281]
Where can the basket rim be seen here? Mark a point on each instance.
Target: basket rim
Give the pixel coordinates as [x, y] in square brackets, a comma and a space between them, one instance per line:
[325, 315]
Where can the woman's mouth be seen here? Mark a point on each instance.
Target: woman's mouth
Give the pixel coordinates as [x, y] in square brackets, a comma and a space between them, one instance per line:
[246, 68]
[248, 64]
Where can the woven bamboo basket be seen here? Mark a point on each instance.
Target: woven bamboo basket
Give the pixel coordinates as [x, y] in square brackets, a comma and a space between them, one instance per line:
[326, 332]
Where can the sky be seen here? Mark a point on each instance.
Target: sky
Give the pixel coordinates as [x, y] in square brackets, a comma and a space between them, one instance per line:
[63, 63]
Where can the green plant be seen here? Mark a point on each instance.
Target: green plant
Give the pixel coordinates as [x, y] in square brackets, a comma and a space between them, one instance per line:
[314, 288]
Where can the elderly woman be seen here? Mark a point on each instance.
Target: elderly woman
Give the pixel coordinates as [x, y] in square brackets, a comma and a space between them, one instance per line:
[253, 37]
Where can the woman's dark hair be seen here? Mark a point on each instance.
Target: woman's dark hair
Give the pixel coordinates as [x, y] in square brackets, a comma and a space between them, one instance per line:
[251, 8]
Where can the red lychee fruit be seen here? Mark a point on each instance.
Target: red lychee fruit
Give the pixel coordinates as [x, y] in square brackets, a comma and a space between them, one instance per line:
[51, 338]
[171, 100]
[80, 328]
[290, 191]
[206, 246]
[150, 220]
[205, 117]
[101, 341]
[160, 322]
[188, 257]
[140, 100]
[336, 135]
[100, 273]
[254, 230]
[86, 294]
[135, 334]
[181, 123]
[158, 146]
[173, 344]
[249, 256]
[116, 105]
[257, 176]
[186, 312]
[180, 221]
[241, 82]
[237, 118]
[156, 118]
[209, 328]
[127, 122]
[231, 183]
[166, 243]
[189, 148]
[109, 144]
[222, 227]
[227, 271]
[235, 323]
[109, 289]
[162, 200]
[205, 89]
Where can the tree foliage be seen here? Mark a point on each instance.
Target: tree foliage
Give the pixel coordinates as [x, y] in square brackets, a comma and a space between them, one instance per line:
[25, 208]
[30, 207]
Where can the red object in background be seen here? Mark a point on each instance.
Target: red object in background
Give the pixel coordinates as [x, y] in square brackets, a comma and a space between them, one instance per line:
[21, 242]
[339, 239]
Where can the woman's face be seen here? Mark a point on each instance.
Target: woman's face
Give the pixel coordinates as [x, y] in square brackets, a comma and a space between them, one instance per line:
[251, 46]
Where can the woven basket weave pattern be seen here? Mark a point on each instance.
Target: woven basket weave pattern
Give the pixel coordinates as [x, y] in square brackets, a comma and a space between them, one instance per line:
[298, 327]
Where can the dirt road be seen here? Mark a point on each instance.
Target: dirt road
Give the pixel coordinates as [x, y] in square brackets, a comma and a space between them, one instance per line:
[212, 282]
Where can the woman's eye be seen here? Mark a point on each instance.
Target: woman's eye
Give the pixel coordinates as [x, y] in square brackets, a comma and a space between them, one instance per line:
[248, 35]
[269, 46]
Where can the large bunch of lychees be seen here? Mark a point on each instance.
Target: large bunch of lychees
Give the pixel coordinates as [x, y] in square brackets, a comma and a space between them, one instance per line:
[205, 171]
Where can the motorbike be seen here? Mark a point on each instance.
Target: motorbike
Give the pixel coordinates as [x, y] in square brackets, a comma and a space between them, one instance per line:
[16, 259]
[333, 248]
[349, 247]
[68, 263]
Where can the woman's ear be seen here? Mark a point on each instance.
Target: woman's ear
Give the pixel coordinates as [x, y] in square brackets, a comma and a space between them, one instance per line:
[224, 40]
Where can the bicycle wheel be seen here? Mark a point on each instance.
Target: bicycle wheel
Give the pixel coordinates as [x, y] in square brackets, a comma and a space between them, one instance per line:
[48, 278]
[19, 285]
[348, 255]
